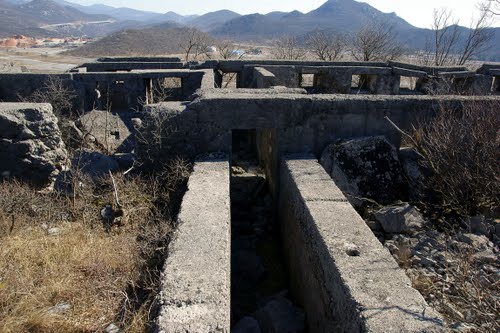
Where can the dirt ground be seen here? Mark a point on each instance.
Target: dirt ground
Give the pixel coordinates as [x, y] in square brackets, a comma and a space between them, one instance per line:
[37, 60]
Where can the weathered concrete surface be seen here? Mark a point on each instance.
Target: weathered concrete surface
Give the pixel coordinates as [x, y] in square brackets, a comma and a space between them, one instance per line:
[118, 91]
[129, 66]
[196, 280]
[31, 147]
[340, 273]
[305, 123]
[139, 59]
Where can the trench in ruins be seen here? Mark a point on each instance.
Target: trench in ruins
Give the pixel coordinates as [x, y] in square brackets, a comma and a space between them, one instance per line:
[259, 280]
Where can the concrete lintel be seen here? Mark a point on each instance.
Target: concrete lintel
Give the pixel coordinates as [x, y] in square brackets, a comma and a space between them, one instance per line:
[342, 291]
[457, 75]
[494, 72]
[409, 72]
[128, 66]
[139, 59]
[195, 295]
[432, 70]
[237, 65]
[355, 70]
[488, 67]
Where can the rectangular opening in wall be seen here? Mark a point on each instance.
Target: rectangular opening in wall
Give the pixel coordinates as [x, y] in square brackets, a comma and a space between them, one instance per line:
[407, 84]
[359, 84]
[307, 80]
[118, 96]
[165, 89]
[362, 84]
[258, 272]
[229, 80]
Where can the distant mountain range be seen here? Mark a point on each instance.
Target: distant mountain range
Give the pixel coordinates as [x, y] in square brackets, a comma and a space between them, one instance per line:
[52, 17]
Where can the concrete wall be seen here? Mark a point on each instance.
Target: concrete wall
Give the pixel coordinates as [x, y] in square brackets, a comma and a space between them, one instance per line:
[129, 66]
[195, 296]
[340, 273]
[123, 91]
[304, 123]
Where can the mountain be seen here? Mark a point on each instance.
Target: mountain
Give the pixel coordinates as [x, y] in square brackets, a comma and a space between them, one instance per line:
[122, 13]
[276, 15]
[13, 21]
[173, 17]
[338, 15]
[50, 12]
[212, 20]
[151, 41]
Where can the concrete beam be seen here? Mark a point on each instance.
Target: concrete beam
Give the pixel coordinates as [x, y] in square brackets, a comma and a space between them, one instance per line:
[408, 72]
[237, 65]
[195, 295]
[432, 70]
[488, 67]
[129, 66]
[139, 59]
[457, 75]
[340, 273]
[355, 70]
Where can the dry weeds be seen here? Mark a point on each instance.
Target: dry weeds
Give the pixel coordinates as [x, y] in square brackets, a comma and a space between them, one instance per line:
[56, 252]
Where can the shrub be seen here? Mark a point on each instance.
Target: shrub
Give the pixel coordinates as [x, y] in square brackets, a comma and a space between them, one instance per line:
[460, 148]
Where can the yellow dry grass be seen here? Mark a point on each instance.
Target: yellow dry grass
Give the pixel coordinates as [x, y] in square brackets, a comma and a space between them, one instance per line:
[83, 265]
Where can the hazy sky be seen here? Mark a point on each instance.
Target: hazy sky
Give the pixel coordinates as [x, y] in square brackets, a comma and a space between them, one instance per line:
[417, 12]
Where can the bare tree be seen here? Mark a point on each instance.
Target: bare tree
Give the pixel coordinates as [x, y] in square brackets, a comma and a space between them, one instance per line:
[491, 6]
[326, 46]
[288, 48]
[228, 50]
[55, 91]
[450, 47]
[376, 41]
[195, 44]
[446, 34]
[479, 37]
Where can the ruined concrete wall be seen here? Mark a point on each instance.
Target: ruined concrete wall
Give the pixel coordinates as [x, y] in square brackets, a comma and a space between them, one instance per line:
[303, 123]
[118, 91]
[139, 59]
[345, 280]
[20, 85]
[195, 294]
[128, 66]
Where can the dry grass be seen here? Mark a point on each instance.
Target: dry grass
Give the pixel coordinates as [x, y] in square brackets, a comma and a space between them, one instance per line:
[107, 275]
[464, 294]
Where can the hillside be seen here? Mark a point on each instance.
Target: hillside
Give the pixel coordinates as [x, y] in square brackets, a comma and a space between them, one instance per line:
[337, 15]
[32, 18]
[13, 21]
[150, 41]
[212, 20]
[50, 12]
[121, 13]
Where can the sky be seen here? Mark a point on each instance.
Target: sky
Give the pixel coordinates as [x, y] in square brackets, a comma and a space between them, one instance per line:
[416, 12]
